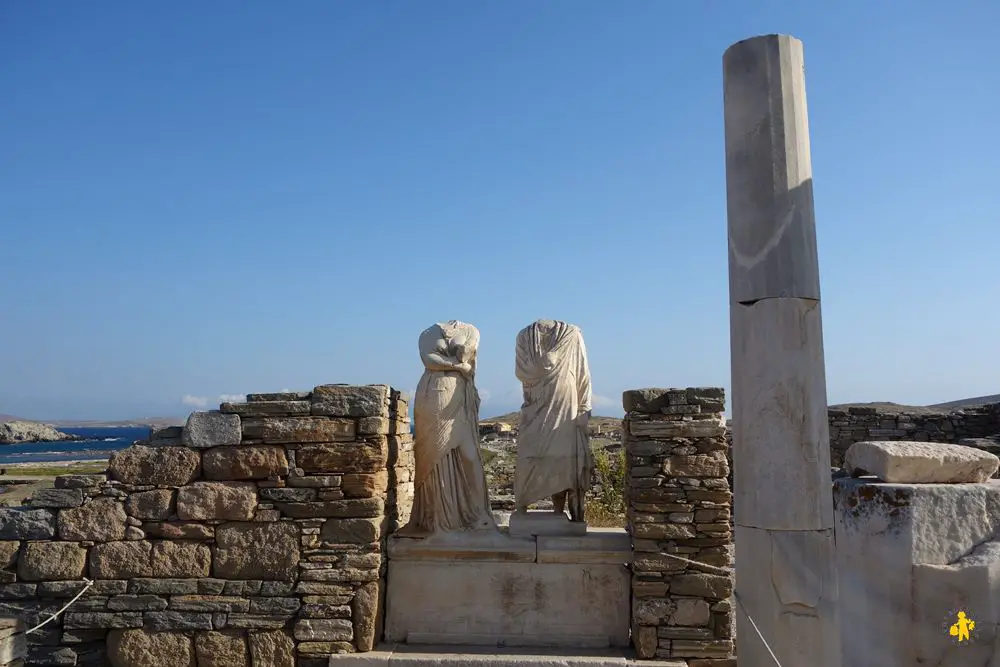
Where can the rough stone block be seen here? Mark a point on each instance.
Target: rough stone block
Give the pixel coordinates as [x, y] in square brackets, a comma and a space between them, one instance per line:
[265, 551]
[22, 524]
[307, 429]
[271, 649]
[245, 462]
[57, 498]
[179, 530]
[206, 501]
[79, 481]
[353, 457]
[158, 466]
[180, 559]
[268, 408]
[8, 553]
[51, 560]
[221, 649]
[121, 560]
[211, 429]
[713, 464]
[353, 531]
[350, 401]
[921, 462]
[165, 621]
[152, 505]
[365, 485]
[324, 629]
[350, 509]
[99, 520]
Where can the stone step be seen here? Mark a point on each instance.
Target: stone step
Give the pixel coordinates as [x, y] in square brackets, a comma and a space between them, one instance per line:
[403, 655]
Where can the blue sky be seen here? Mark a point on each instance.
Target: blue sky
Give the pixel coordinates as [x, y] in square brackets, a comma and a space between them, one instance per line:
[202, 199]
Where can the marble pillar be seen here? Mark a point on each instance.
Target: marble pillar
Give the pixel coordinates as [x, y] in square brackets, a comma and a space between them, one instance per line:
[785, 569]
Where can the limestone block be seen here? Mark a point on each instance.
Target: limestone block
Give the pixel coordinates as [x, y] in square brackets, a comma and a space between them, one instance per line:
[121, 560]
[597, 546]
[268, 408]
[324, 629]
[265, 551]
[180, 559]
[516, 603]
[158, 466]
[787, 582]
[245, 462]
[474, 546]
[920, 462]
[100, 520]
[150, 505]
[780, 428]
[141, 648]
[206, 501]
[8, 553]
[271, 649]
[211, 429]
[51, 560]
[221, 649]
[366, 615]
[704, 428]
[772, 226]
[162, 436]
[355, 457]
[358, 508]
[307, 429]
[353, 531]
[79, 481]
[365, 485]
[279, 396]
[335, 400]
[22, 524]
[57, 498]
[713, 464]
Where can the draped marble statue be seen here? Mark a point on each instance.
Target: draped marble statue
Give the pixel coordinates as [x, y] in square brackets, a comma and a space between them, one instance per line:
[553, 448]
[450, 491]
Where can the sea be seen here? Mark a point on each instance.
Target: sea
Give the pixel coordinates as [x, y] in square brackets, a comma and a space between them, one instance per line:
[99, 443]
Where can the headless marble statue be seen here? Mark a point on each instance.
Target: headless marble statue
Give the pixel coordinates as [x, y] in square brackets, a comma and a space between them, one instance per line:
[553, 447]
[450, 492]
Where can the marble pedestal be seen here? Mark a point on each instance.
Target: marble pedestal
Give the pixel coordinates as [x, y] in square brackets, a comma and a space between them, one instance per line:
[910, 558]
[492, 589]
[544, 522]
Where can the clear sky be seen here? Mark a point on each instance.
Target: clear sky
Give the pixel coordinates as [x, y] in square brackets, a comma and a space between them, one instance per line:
[209, 198]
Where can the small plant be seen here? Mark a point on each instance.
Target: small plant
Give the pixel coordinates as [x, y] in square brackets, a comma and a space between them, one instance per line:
[607, 508]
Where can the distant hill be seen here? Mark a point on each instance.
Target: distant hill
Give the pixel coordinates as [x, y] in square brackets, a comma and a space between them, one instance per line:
[936, 409]
[513, 418]
[71, 423]
[968, 402]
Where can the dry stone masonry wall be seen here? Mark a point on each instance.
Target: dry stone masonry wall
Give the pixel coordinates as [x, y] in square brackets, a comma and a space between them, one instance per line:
[978, 427]
[252, 536]
[679, 505]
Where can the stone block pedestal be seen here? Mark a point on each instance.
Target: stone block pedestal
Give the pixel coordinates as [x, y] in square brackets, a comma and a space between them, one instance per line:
[496, 590]
[910, 558]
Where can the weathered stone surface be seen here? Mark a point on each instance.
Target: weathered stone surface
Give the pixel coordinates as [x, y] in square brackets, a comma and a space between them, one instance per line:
[354, 457]
[691, 612]
[121, 560]
[289, 495]
[96, 620]
[137, 603]
[350, 509]
[21, 524]
[51, 560]
[211, 429]
[150, 505]
[57, 498]
[645, 640]
[361, 485]
[163, 586]
[266, 551]
[307, 429]
[921, 462]
[365, 614]
[353, 531]
[268, 408]
[158, 466]
[705, 428]
[713, 464]
[323, 629]
[221, 649]
[79, 481]
[231, 501]
[99, 520]
[279, 396]
[272, 649]
[179, 530]
[203, 603]
[180, 559]
[164, 621]
[350, 401]
[166, 435]
[245, 462]
[8, 553]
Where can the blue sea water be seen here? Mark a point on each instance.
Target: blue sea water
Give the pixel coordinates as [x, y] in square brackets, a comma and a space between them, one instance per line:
[100, 443]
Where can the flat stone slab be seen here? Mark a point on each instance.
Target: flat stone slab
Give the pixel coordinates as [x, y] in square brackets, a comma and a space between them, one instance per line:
[430, 656]
[487, 546]
[902, 462]
[596, 546]
[542, 522]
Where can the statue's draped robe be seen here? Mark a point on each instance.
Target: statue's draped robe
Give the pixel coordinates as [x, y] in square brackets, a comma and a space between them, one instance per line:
[450, 491]
[553, 449]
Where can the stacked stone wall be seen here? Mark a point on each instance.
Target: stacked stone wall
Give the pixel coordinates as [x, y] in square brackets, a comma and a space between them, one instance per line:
[856, 424]
[253, 536]
[679, 505]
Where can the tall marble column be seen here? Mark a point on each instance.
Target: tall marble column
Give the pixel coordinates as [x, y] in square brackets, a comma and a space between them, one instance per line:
[783, 501]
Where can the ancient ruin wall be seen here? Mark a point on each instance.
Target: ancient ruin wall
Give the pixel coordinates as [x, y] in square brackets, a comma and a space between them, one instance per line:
[254, 536]
[679, 505]
[861, 423]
